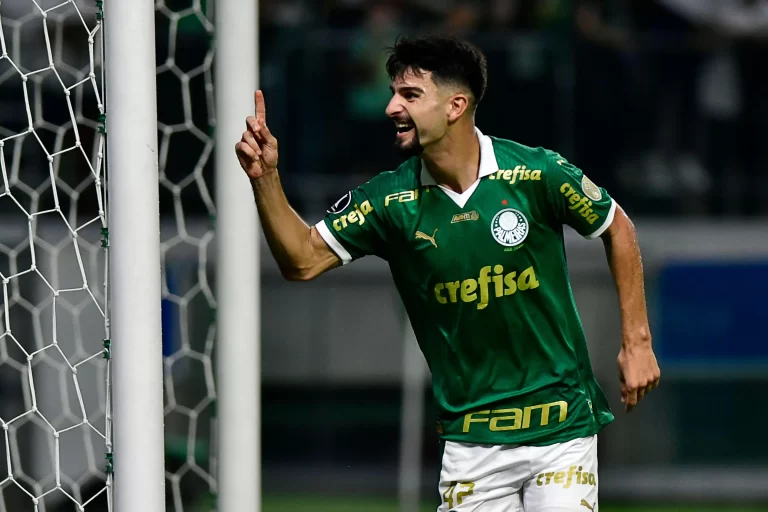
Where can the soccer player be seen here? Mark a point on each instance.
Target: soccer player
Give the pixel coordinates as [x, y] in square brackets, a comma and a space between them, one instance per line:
[472, 229]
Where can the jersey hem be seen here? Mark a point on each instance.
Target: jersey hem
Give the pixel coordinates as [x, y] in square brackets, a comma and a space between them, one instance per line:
[560, 437]
[333, 243]
[606, 224]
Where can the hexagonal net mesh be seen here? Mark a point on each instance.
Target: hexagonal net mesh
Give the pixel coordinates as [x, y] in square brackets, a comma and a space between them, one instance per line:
[54, 325]
[186, 120]
[54, 346]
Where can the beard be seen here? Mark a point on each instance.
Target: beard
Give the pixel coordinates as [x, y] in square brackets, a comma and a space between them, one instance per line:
[409, 148]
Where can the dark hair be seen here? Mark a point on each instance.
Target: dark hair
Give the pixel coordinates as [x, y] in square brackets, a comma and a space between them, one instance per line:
[450, 60]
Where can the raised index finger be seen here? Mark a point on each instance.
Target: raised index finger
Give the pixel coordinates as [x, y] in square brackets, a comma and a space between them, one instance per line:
[261, 106]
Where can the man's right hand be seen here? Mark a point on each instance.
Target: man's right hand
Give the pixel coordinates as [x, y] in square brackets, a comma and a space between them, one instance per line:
[257, 149]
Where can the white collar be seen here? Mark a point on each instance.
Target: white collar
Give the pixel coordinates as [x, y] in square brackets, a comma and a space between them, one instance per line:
[488, 164]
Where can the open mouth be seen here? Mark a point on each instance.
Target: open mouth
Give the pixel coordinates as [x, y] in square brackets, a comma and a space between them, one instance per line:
[404, 127]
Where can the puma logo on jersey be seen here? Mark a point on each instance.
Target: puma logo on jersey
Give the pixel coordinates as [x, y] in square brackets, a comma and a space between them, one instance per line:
[585, 503]
[424, 236]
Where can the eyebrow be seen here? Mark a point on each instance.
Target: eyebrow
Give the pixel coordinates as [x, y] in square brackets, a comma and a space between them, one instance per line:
[407, 88]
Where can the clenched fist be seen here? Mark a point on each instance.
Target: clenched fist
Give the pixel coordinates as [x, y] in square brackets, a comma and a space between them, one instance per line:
[257, 149]
[639, 373]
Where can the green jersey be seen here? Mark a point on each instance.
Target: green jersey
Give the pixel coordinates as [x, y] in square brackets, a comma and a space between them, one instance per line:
[484, 280]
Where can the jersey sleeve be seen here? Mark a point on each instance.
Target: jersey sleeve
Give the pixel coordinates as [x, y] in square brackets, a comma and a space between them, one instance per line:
[575, 200]
[353, 227]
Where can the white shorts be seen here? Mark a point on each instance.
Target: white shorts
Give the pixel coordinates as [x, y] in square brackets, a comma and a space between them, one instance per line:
[500, 478]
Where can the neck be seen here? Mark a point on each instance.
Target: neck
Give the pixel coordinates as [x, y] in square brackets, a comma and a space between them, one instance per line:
[454, 162]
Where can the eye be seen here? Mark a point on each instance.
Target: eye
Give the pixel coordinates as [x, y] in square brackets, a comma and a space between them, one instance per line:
[410, 96]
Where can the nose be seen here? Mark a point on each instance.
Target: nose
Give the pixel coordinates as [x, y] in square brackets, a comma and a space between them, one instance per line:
[394, 107]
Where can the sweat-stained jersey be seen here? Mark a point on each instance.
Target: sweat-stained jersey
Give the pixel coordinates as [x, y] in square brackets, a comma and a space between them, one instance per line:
[484, 279]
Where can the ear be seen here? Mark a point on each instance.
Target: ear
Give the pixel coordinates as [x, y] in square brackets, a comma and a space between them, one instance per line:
[457, 105]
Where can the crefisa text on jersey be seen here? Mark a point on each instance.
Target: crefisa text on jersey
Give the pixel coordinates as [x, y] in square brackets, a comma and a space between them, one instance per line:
[580, 204]
[503, 284]
[518, 173]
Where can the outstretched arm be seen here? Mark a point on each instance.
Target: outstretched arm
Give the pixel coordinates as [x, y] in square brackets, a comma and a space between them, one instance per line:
[638, 370]
[300, 251]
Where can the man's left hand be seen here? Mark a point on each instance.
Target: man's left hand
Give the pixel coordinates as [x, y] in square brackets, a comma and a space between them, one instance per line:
[639, 373]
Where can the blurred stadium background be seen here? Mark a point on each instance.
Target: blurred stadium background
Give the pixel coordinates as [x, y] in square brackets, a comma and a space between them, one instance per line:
[663, 102]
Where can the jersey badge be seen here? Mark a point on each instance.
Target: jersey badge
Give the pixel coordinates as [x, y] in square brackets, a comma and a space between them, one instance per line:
[342, 204]
[461, 217]
[423, 236]
[509, 227]
[591, 190]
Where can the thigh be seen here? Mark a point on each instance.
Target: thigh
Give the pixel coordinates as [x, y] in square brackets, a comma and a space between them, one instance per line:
[565, 478]
[480, 478]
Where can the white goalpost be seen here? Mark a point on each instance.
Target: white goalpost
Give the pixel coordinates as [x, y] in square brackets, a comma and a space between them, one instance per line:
[134, 273]
[238, 277]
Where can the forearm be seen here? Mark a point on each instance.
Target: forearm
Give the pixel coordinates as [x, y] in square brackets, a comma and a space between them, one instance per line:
[623, 253]
[638, 369]
[300, 251]
[288, 236]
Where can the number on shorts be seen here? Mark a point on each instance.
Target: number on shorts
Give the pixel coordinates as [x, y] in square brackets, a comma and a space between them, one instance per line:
[468, 487]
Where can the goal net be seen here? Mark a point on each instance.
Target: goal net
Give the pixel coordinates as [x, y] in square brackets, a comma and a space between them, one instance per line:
[186, 122]
[55, 346]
